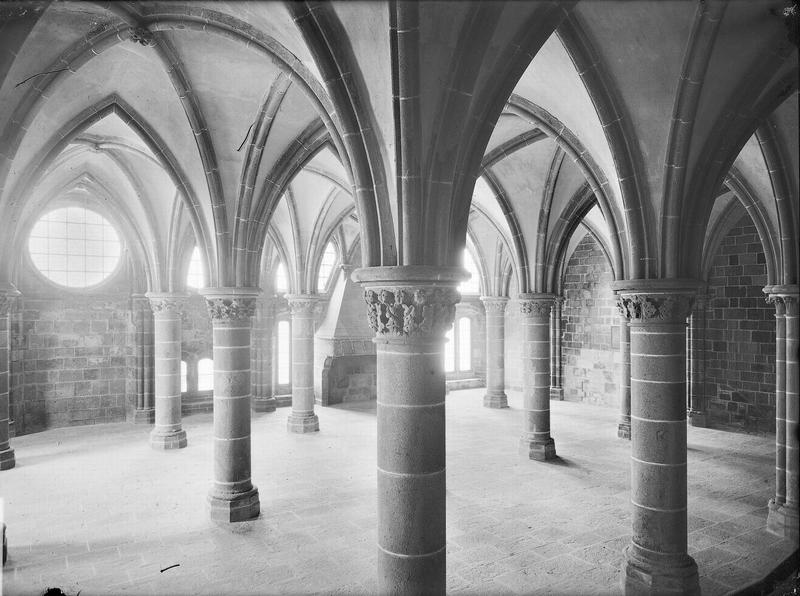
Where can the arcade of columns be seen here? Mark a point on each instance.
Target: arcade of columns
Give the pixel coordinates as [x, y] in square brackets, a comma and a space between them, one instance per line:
[411, 309]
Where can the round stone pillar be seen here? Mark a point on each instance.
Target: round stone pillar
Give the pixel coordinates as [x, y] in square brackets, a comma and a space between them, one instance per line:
[263, 397]
[657, 561]
[697, 363]
[495, 307]
[142, 318]
[775, 517]
[167, 432]
[302, 419]
[556, 386]
[536, 442]
[232, 496]
[7, 296]
[624, 426]
[410, 309]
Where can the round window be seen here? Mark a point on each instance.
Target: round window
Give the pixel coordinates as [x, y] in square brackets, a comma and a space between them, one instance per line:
[74, 247]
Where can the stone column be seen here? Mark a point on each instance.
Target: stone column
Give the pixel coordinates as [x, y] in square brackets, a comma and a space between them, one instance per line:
[302, 419]
[657, 560]
[410, 309]
[232, 496]
[624, 426]
[775, 517]
[784, 519]
[495, 307]
[167, 432]
[7, 295]
[697, 363]
[536, 442]
[263, 394]
[142, 317]
[556, 388]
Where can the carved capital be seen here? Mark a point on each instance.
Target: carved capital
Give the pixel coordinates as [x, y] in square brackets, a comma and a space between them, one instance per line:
[166, 304]
[413, 311]
[656, 308]
[142, 36]
[229, 309]
[536, 305]
[302, 305]
[494, 305]
[780, 305]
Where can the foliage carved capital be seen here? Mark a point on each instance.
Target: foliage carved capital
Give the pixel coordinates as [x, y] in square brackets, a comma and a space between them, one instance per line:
[656, 308]
[411, 311]
[230, 309]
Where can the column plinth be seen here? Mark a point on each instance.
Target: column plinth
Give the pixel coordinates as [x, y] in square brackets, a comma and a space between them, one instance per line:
[167, 432]
[7, 295]
[495, 307]
[410, 309]
[657, 559]
[536, 442]
[624, 425]
[232, 496]
[302, 419]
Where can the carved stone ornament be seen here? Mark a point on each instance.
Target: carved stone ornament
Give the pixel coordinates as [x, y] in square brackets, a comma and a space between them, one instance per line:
[494, 306]
[537, 308]
[414, 312]
[142, 35]
[166, 305]
[303, 307]
[6, 301]
[657, 307]
[231, 309]
[780, 305]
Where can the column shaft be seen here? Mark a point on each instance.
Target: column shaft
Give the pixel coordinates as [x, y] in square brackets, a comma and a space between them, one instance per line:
[167, 432]
[410, 322]
[495, 308]
[302, 419]
[556, 387]
[263, 394]
[143, 324]
[792, 502]
[536, 442]
[657, 561]
[232, 496]
[780, 411]
[696, 358]
[624, 426]
[7, 459]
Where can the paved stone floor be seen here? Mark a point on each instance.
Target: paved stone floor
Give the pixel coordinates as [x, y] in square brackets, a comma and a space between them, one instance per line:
[94, 510]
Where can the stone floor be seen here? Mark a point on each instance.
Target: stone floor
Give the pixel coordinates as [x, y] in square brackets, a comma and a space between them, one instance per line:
[94, 510]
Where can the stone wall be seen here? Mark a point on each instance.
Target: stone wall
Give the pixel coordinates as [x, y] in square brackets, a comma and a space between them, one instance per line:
[73, 358]
[591, 328]
[740, 335]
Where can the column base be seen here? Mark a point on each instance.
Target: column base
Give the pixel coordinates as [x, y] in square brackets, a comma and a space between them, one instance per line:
[399, 574]
[624, 430]
[175, 440]
[669, 575]
[697, 418]
[537, 450]
[497, 399]
[302, 424]
[234, 508]
[557, 393]
[265, 404]
[7, 460]
[783, 521]
[145, 416]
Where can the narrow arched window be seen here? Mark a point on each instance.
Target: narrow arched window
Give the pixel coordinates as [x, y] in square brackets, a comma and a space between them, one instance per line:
[184, 372]
[205, 374]
[284, 347]
[464, 344]
[450, 351]
[473, 284]
[195, 277]
[326, 267]
[281, 279]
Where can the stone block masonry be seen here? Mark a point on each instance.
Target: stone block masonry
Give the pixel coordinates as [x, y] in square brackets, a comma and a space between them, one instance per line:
[70, 361]
[740, 337]
[591, 325]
